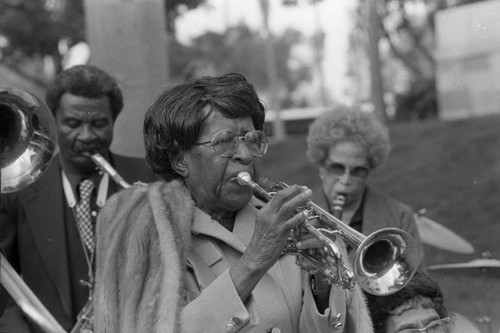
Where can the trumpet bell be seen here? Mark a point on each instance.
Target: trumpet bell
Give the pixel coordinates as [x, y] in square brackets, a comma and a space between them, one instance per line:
[385, 261]
[28, 138]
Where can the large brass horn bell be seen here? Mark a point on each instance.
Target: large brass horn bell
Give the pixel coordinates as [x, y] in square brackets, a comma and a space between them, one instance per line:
[27, 144]
[27, 138]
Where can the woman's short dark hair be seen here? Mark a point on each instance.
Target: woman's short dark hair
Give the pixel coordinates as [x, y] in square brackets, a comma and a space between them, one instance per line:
[348, 124]
[421, 290]
[174, 121]
[85, 81]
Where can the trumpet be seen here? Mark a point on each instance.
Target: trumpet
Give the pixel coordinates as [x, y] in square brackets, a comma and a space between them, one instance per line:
[384, 262]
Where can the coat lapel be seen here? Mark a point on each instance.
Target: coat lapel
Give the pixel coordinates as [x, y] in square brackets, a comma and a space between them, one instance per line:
[44, 208]
[238, 239]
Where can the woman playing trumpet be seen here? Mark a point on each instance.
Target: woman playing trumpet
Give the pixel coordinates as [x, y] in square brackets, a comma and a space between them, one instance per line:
[191, 253]
[347, 145]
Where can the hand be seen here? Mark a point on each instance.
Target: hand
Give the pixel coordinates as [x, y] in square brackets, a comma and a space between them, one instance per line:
[312, 246]
[272, 228]
[274, 223]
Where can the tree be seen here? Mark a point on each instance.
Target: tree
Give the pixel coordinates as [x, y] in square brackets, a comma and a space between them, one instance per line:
[174, 8]
[33, 29]
[240, 49]
[407, 52]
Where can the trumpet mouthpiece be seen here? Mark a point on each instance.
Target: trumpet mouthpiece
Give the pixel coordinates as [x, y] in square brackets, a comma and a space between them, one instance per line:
[244, 178]
[339, 200]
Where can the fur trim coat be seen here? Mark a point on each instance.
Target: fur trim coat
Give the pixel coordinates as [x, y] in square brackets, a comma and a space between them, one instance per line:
[135, 250]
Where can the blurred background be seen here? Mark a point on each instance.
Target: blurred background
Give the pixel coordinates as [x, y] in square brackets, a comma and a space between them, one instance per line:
[429, 69]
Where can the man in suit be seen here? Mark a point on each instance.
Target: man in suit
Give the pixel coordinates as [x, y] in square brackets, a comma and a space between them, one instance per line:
[47, 228]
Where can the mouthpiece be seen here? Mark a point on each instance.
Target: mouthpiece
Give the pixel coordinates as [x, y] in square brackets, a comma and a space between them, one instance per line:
[106, 167]
[339, 201]
[338, 206]
[244, 178]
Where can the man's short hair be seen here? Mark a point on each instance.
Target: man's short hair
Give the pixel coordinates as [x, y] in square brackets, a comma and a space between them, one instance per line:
[85, 81]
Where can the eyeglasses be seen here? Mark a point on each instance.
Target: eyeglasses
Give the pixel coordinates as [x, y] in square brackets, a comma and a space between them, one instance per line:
[338, 170]
[226, 143]
[437, 326]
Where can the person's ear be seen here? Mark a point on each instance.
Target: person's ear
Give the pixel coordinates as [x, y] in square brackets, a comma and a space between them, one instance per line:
[180, 165]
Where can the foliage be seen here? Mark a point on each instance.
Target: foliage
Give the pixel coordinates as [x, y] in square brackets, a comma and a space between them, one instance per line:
[418, 103]
[174, 8]
[239, 49]
[49, 26]
[407, 43]
[33, 29]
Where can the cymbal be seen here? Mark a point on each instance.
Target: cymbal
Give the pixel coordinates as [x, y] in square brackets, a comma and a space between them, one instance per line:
[437, 235]
[476, 263]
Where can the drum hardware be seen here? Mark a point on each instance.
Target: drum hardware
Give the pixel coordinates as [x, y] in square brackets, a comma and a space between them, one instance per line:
[483, 264]
[437, 235]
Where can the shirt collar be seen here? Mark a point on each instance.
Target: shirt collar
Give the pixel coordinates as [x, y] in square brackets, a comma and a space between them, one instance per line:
[242, 232]
[74, 177]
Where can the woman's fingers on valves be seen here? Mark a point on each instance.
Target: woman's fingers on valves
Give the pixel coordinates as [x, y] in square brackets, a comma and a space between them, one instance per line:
[289, 199]
[306, 265]
[308, 241]
[282, 213]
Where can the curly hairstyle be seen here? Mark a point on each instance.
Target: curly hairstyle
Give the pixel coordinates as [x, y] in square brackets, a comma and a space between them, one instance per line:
[344, 124]
[421, 291]
[85, 81]
[175, 119]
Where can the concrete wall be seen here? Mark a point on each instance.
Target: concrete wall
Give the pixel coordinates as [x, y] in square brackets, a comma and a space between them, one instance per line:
[128, 39]
[468, 60]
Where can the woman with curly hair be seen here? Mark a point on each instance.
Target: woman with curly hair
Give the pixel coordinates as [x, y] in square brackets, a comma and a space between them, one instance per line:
[347, 145]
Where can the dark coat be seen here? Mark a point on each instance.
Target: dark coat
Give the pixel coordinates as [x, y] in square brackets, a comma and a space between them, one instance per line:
[32, 234]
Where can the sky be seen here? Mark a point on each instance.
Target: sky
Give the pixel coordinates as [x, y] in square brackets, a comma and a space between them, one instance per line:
[331, 15]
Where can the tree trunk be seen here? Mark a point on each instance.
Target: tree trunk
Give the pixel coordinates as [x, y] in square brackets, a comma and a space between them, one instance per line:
[272, 76]
[377, 86]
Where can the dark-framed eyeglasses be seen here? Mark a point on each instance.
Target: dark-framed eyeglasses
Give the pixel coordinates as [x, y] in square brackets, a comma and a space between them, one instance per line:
[225, 143]
[338, 170]
[436, 326]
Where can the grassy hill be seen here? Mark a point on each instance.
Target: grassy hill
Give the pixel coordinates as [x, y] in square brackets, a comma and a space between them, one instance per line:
[450, 168]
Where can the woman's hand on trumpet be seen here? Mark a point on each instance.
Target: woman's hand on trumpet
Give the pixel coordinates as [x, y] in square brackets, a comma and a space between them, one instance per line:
[320, 283]
[273, 224]
[276, 220]
[308, 242]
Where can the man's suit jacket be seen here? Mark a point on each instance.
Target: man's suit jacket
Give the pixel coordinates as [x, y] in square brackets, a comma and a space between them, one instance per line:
[32, 234]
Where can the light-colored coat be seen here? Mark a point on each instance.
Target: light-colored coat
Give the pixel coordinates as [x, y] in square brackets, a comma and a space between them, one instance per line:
[151, 279]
